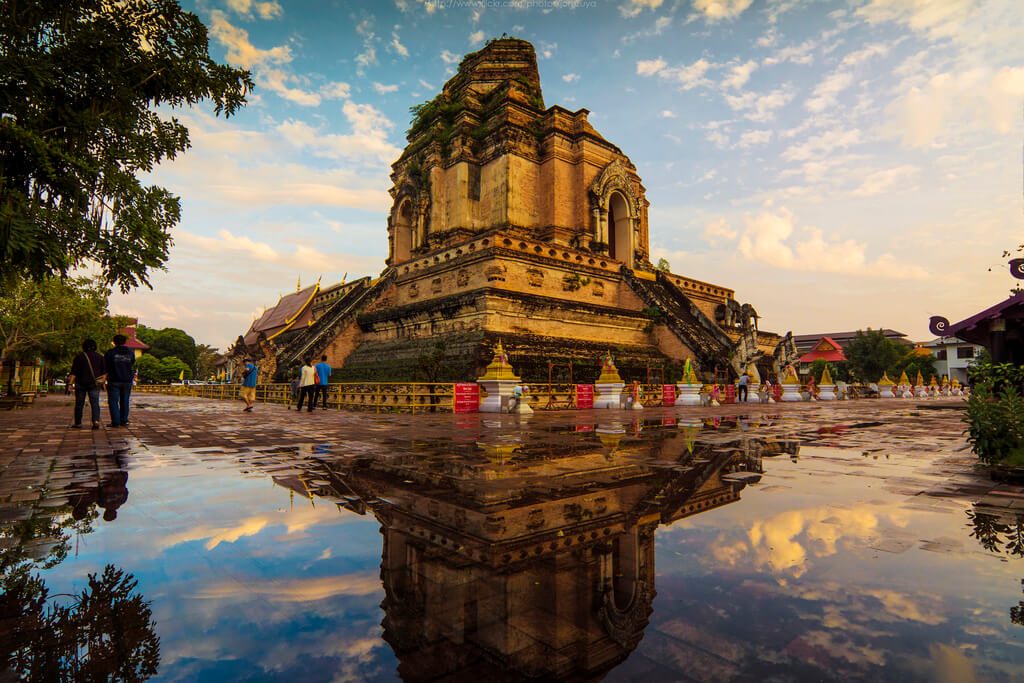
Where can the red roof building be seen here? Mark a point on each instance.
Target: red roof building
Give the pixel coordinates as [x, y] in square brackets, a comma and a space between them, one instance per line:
[826, 349]
[133, 342]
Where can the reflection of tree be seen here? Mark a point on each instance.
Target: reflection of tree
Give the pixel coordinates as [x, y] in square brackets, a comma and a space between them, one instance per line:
[103, 633]
[998, 536]
[106, 633]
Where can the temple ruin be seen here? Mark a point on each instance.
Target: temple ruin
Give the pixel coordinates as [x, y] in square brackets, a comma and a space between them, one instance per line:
[518, 222]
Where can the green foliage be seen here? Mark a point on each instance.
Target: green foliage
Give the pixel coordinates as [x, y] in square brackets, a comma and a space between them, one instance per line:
[106, 633]
[840, 371]
[206, 356]
[170, 341]
[914, 362]
[171, 369]
[995, 424]
[573, 282]
[50, 318]
[81, 85]
[149, 368]
[996, 375]
[871, 353]
[663, 266]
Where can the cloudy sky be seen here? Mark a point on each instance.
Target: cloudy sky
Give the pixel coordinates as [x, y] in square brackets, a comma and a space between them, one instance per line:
[839, 164]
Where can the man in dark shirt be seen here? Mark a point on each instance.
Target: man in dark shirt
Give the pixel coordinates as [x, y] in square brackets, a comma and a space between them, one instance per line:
[87, 370]
[120, 365]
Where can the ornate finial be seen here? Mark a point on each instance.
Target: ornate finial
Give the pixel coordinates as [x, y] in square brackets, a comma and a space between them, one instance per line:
[904, 380]
[919, 380]
[343, 277]
[499, 368]
[826, 376]
[298, 284]
[937, 325]
[885, 381]
[945, 380]
[609, 373]
[934, 382]
[1017, 268]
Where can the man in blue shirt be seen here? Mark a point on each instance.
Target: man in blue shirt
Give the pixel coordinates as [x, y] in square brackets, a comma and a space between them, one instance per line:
[323, 376]
[250, 375]
[120, 365]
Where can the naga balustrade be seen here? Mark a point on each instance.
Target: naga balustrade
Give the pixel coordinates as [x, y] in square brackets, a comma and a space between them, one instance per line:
[417, 397]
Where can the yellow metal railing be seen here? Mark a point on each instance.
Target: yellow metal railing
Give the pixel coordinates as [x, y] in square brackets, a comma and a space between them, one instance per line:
[551, 396]
[380, 397]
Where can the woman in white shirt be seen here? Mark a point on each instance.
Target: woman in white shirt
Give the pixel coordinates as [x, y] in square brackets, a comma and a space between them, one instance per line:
[307, 384]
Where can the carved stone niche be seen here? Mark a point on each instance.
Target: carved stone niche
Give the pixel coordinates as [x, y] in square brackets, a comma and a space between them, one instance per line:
[462, 278]
[435, 285]
[414, 290]
[535, 277]
[495, 273]
[598, 289]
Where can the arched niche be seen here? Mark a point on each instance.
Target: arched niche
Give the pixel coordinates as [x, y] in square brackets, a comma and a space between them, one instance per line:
[402, 232]
[620, 229]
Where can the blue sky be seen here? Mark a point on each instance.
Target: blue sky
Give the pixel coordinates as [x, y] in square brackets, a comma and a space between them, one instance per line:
[839, 164]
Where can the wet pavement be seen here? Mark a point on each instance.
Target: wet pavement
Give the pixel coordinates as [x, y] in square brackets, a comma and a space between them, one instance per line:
[786, 542]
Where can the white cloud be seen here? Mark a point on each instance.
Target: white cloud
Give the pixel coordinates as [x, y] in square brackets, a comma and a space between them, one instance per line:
[571, 78]
[449, 57]
[278, 80]
[424, 84]
[635, 7]
[689, 76]
[865, 53]
[396, 45]
[383, 89]
[477, 37]
[937, 18]
[717, 231]
[650, 67]
[240, 51]
[367, 143]
[668, 114]
[546, 50]
[827, 92]
[659, 27]
[719, 10]
[249, 8]
[759, 107]
[952, 104]
[821, 145]
[772, 238]
[881, 181]
[225, 241]
[336, 91]
[739, 75]
[796, 54]
[754, 137]
[368, 57]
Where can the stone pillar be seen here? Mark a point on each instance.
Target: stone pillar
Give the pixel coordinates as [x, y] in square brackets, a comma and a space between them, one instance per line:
[826, 392]
[689, 394]
[603, 226]
[596, 213]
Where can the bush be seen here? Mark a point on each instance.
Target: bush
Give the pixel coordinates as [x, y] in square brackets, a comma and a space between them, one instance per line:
[996, 376]
[995, 424]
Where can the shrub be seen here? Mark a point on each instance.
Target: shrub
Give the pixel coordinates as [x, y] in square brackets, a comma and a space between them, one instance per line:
[995, 424]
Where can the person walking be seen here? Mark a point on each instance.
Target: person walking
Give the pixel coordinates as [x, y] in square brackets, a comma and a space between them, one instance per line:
[744, 389]
[250, 374]
[323, 376]
[307, 385]
[119, 363]
[87, 372]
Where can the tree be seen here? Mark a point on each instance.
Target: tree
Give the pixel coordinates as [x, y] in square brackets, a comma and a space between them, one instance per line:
[170, 341]
[206, 357]
[663, 266]
[172, 369]
[871, 353]
[80, 83]
[51, 317]
[149, 368]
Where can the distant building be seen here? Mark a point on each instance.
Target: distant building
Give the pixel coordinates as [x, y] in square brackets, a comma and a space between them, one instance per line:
[827, 349]
[133, 342]
[806, 342]
[952, 356]
[999, 328]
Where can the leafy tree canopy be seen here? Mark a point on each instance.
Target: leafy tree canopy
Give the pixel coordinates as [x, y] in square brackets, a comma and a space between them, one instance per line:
[170, 341]
[79, 85]
[149, 368]
[51, 317]
[871, 353]
[172, 368]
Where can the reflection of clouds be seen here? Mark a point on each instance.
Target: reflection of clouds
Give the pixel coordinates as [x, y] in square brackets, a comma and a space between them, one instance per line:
[902, 606]
[784, 542]
[292, 590]
[295, 521]
[825, 645]
[951, 665]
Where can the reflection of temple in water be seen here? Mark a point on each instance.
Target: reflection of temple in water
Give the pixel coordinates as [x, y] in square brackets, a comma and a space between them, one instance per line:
[531, 557]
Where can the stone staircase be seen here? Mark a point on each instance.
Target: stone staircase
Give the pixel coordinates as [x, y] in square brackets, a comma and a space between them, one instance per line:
[701, 334]
[313, 340]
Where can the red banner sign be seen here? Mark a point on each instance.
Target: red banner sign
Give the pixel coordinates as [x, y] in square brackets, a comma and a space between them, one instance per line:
[467, 397]
[584, 396]
[668, 394]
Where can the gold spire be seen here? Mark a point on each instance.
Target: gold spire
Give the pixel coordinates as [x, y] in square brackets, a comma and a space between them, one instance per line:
[689, 376]
[934, 382]
[826, 376]
[945, 380]
[885, 381]
[919, 380]
[298, 285]
[903, 378]
[609, 373]
[499, 368]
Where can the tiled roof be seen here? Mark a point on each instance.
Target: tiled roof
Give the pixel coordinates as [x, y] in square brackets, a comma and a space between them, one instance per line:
[292, 310]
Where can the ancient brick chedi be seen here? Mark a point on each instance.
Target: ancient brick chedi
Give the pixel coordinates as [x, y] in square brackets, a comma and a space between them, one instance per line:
[518, 222]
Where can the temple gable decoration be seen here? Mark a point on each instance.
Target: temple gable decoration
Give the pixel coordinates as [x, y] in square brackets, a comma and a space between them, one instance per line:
[616, 206]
